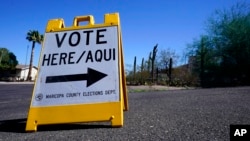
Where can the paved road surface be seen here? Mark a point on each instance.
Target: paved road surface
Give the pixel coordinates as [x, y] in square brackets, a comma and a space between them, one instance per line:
[201, 114]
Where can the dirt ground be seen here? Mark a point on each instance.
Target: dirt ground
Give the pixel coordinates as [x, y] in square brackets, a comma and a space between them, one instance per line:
[143, 88]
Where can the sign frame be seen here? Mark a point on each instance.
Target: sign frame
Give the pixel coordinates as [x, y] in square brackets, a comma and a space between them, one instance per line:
[82, 112]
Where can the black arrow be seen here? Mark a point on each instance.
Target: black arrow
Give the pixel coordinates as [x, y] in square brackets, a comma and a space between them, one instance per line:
[92, 76]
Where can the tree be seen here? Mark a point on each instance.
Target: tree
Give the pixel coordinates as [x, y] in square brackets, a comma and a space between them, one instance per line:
[165, 55]
[207, 60]
[223, 54]
[35, 37]
[8, 61]
[3, 52]
[166, 59]
[230, 31]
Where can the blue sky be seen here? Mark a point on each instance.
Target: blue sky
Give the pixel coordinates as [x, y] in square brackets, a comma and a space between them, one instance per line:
[170, 23]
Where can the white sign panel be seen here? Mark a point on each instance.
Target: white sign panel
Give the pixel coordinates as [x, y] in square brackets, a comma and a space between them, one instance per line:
[78, 67]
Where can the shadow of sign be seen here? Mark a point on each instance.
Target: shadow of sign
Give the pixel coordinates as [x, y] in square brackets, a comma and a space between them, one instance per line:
[14, 125]
[18, 126]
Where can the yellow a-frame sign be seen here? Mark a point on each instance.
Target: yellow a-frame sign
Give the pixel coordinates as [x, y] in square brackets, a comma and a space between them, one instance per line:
[81, 74]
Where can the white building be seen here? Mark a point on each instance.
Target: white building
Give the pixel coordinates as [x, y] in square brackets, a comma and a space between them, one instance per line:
[23, 70]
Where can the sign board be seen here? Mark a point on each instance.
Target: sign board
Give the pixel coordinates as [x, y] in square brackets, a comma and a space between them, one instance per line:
[78, 66]
[80, 70]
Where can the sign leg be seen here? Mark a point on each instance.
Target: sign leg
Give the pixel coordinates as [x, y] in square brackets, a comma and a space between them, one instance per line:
[31, 126]
[117, 121]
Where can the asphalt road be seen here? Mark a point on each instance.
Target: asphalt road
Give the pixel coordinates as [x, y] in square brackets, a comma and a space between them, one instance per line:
[199, 114]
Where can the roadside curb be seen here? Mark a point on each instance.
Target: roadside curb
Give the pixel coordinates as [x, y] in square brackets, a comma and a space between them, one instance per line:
[2, 82]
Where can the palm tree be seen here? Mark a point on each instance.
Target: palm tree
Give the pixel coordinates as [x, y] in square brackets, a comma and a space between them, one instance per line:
[35, 37]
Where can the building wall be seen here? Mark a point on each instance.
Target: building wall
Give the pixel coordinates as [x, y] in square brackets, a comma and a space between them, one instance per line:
[23, 73]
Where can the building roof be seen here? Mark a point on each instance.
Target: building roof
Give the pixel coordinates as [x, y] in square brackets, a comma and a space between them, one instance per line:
[20, 66]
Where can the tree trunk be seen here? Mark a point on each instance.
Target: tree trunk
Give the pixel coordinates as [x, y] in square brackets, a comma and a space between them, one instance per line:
[31, 62]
